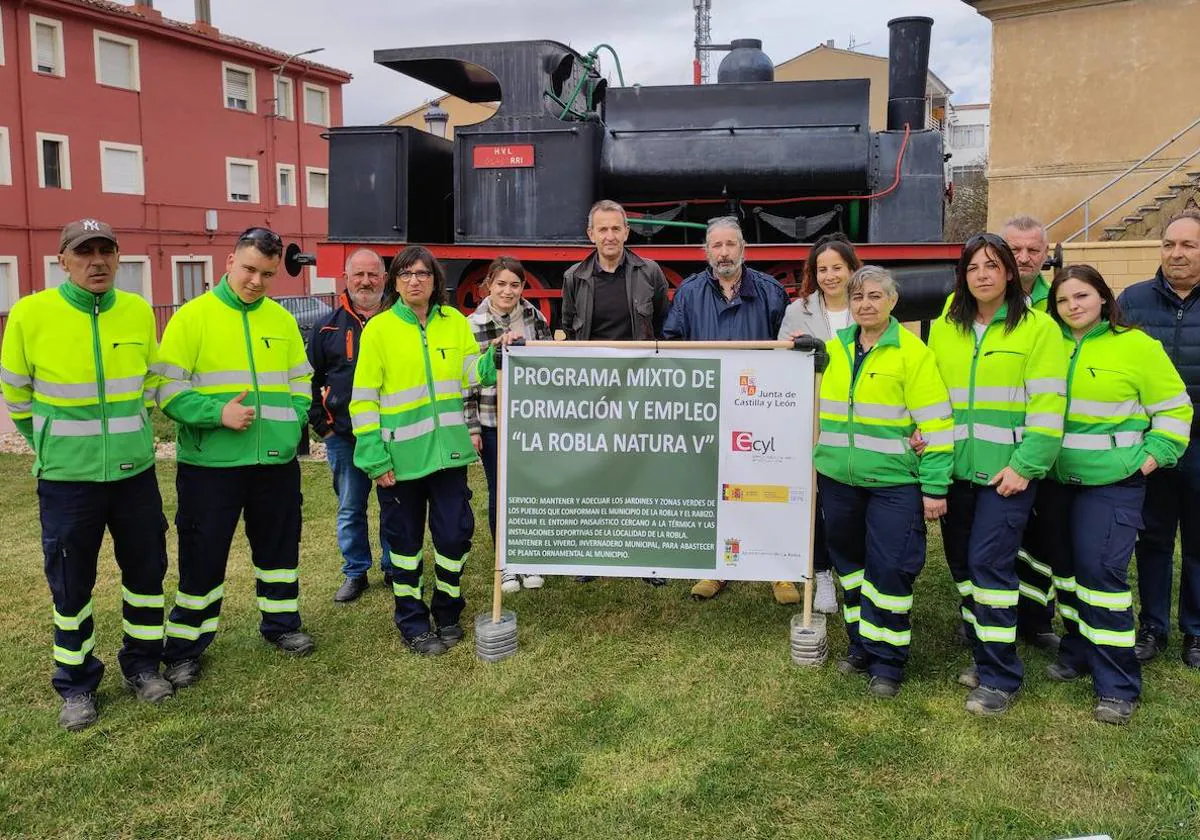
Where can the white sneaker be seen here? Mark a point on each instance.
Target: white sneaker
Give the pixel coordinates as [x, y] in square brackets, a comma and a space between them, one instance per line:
[825, 599]
[509, 583]
[532, 581]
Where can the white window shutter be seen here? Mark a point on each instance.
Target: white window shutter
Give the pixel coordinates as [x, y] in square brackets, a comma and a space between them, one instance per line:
[314, 105]
[116, 63]
[122, 172]
[47, 47]
[318, 190]
[237, 85]
[129, 277]
[241, 180]
[8, 287]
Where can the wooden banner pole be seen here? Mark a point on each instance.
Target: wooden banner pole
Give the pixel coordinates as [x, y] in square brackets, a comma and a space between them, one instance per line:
[812, 505]
[501, 501]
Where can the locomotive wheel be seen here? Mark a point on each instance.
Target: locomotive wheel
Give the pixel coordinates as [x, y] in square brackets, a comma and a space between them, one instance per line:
[791, 275]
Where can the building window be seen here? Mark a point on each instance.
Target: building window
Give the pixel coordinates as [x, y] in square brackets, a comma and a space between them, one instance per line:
[239, 87]
[5, 159]
[284, 97]
[133, 276]
[54, 274]
[54, 161]
[48, 53]
[285, 179]
[316, 104]
[967, 136]
[241, 178]
[116, 61]
[121, 169]
[193, 275]
[318, 186]
[960, 174]
[10, 289]
[1, 40]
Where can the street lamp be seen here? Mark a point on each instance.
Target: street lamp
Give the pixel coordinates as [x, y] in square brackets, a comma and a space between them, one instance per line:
[436, 119]
[279, 71]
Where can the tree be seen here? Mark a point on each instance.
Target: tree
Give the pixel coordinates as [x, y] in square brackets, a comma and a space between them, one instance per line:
[967, 213]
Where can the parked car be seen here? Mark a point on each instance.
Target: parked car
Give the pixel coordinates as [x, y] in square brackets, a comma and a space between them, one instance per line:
[306, 310]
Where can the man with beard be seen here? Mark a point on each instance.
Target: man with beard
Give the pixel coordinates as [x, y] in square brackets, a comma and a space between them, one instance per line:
[333, 353]
[728, 301]
[1165, 307]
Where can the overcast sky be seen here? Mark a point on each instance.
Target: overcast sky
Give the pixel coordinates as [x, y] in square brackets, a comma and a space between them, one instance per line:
[652, 37]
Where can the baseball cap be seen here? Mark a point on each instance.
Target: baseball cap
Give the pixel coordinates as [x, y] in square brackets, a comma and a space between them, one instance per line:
[76, 233]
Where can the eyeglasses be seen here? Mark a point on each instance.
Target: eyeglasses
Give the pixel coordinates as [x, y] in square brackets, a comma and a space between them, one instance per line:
[421, 275]
[266, 241]
[981, 239]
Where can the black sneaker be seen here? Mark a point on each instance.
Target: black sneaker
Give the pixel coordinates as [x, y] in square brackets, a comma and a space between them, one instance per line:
[1060, 671]
[1191, 651]
[150, 687]
[655, 582]
[295, 643]
[1149, 643]
[988, 701]
[883, 687]
[1046, 641]
[183, 673]
[1113, 710]
[584, 578]
[450, 635]
[426, 644]
[852, 665]
[78, 712]
[351, 589]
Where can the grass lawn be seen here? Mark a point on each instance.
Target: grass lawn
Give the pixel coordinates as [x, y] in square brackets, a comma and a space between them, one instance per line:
[629, 711]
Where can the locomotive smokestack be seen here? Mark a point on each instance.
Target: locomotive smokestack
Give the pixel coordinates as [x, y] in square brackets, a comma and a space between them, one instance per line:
[908, 71]
[746, 62]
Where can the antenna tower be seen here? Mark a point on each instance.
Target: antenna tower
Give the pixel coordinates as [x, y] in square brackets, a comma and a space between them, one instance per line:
[703, 35]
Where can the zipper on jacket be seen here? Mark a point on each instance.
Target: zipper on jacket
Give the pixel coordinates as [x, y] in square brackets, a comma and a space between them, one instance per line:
[855, 373]
[1178, 327]
[429, 377]
[979, 339]
[253, 384]
[100, 387]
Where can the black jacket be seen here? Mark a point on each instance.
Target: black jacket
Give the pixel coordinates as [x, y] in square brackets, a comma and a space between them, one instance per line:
[333, 352]
[1155, 307]
[645, 284]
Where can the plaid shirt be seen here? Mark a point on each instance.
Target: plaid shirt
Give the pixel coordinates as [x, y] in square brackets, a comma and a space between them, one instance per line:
[479, 404]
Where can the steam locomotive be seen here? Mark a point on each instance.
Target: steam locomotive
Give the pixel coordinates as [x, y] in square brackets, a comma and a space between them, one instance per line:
[792, 160]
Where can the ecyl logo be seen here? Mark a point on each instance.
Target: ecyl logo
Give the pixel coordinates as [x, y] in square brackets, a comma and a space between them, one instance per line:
[746, 442]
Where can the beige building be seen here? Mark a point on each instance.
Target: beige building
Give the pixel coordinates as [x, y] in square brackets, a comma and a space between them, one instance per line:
[1081, 91]
[828, 62]
[458, 112]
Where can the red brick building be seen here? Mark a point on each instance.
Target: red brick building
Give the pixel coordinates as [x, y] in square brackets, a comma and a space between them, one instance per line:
[178, 135]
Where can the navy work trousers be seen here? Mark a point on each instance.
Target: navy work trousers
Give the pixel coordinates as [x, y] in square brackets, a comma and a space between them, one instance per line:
[1172, 504]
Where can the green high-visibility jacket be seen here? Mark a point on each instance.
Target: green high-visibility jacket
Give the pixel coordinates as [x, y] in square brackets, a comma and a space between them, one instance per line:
[214, 348]
[868, 416]
[1008, 390]
[1125, 400]
[75, 373]
[406, 407]
[1039, 296]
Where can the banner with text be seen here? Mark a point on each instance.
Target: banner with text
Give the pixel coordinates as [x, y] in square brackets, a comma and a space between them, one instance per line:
[669, 463]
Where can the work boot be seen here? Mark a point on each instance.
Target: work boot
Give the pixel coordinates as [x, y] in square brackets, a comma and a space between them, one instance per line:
[883, 687]
[78, 712]
[150, 687]
[294, 643]
[706, 589]
[1046, 641]
[1149, 643]
[1113, 710]
[350, 590]
[655, 582]
[183, 673]
[852, 664]
[825, 598]
[969, 676]
[988, 702]
[785, 592]
[450, 635]
[1191, 651]
[1060, 671]
[426, 644]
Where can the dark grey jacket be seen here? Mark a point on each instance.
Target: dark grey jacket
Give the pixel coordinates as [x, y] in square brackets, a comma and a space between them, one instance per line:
[645, 285]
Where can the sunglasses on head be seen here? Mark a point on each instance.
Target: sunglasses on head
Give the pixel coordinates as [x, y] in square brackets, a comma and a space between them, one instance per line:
[266, 241]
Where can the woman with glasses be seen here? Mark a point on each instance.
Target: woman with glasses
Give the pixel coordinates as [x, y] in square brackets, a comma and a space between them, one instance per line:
[1006, 371]
[415, 364]
[502, 311]
[821, 310]
[1128, 414]
[881, 385]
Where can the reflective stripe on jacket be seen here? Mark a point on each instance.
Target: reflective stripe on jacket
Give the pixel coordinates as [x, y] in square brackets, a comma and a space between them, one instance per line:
[75, 373]
[868, 416]
[214, 348]
[1125, 401]
[407, 403]
[1008, 390]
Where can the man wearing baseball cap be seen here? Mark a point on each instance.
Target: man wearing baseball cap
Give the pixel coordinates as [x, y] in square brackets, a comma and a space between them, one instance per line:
[75, 372]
